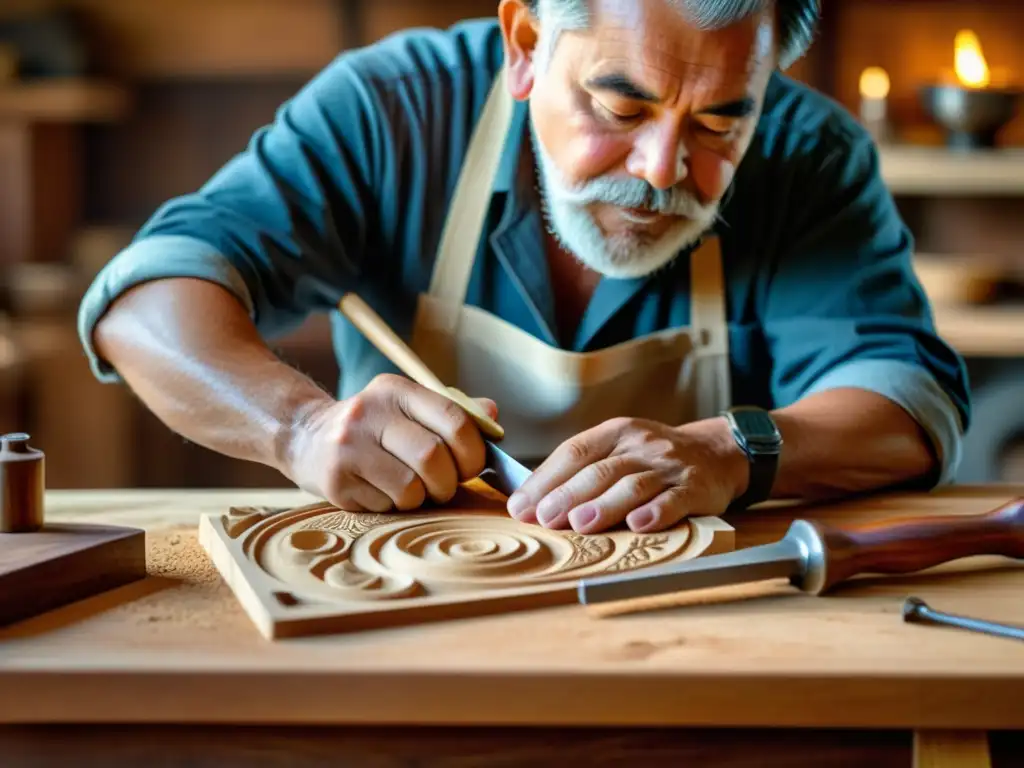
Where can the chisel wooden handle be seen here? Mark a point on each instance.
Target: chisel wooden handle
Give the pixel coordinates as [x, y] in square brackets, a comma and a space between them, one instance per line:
[380, 334]
[913, 544]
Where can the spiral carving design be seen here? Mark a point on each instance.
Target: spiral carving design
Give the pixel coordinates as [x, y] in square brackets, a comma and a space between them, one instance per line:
[332, 555]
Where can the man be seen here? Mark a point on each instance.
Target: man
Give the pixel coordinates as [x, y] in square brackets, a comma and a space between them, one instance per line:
[615, 222]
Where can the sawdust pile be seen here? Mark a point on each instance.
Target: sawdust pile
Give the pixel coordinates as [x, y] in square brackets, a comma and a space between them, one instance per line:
[188, 590]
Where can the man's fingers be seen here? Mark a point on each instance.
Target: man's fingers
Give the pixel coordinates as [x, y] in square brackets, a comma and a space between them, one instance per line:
[664, 510]
[565, 462]
[552, 511]
[355, 494]
[392, 477]
[452, 423]
[610, 508]
[490, 407]
[426, 454]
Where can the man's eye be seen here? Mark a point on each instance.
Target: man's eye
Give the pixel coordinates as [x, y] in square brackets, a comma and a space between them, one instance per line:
[612, 116]
[717, 131]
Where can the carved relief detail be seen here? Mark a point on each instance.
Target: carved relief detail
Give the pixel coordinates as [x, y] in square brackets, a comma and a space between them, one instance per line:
[240, 519]
[588, 549]
[317, 569]
[641, 551]
[354, 524]
[334, 555]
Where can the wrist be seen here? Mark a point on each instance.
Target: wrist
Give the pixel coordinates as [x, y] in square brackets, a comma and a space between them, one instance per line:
[306, 410]
[730, 461]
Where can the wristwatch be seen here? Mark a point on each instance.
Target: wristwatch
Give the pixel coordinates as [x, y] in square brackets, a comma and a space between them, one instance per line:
[758, 437]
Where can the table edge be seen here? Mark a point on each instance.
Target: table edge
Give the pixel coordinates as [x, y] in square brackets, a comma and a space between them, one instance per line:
[514, 698]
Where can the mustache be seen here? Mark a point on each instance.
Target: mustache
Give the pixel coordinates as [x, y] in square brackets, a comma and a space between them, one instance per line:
[636, 193]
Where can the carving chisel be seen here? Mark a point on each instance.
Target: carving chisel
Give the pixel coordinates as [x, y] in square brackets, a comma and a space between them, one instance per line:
[814, 557]
[501, 472]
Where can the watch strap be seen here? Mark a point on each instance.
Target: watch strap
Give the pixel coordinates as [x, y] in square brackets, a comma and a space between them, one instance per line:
[763, 468]
[758, 437]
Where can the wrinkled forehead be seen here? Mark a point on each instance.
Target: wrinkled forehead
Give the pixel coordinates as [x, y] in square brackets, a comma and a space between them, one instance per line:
[660, 42]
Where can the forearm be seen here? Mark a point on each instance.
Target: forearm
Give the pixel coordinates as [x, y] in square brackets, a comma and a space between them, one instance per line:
[849, 440]
[188, 349]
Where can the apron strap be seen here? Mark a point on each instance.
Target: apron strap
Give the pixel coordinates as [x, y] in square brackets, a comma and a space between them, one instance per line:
[709, 323]
[460, 239]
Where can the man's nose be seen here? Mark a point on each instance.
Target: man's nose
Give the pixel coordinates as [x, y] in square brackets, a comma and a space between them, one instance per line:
[659, 156]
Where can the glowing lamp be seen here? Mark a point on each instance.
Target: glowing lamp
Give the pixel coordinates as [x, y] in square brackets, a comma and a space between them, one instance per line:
[969, 106]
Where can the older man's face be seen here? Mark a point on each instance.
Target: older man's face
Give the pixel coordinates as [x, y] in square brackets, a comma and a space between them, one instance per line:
[638, 124]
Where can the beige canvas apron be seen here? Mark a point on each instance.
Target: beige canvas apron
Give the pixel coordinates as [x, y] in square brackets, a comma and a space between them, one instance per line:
[544, 394]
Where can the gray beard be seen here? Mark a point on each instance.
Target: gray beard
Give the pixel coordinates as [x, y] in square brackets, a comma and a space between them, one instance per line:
[626, 255]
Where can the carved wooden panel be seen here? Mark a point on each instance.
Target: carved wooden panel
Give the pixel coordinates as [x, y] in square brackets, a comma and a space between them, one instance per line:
[318, 569]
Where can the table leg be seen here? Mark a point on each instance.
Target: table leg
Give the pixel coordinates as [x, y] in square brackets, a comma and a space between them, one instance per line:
[951, 749]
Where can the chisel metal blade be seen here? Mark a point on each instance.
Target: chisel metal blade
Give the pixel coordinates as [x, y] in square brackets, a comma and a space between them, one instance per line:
[786, 558]
[502, 472]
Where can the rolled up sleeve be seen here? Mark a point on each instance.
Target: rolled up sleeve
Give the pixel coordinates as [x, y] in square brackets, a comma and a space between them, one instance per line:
[844, 307]
[282, 226]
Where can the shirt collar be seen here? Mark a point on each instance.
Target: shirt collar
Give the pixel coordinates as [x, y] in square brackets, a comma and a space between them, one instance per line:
[508, 165]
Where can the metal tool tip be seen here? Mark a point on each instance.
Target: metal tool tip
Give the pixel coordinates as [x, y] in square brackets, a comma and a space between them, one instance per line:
[581, 593]
[912, 608]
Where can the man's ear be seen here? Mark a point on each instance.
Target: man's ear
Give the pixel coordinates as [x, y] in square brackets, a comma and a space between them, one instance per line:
[521, 34]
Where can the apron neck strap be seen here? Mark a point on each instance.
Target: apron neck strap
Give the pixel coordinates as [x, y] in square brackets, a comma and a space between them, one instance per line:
[708, 317]
[468, 210]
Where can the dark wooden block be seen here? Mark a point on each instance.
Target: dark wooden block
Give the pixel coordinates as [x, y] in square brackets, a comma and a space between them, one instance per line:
[62, 563]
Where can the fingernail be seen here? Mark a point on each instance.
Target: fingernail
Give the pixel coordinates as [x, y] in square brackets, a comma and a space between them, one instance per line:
[640, 519]
[546, 513]
[582, 517]
[518, 504]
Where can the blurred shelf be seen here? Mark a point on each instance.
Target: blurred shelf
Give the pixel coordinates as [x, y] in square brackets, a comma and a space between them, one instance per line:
[66, 101]
[961, 279]
[982, 331]
[939, 171]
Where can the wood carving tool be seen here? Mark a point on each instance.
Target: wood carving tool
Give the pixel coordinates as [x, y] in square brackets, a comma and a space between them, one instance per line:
[917, 611]
[814, 557]
[44, 566]
[502, 472]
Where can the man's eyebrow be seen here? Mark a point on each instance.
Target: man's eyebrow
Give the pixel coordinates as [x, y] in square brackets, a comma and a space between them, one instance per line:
[622, 85]
[736, 108]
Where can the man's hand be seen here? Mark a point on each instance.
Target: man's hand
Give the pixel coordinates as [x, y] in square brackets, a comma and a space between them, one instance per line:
[391, 446]
[651, 475]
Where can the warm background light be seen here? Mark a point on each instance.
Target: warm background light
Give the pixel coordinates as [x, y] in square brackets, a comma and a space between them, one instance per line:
[969, 60]
[874, 83]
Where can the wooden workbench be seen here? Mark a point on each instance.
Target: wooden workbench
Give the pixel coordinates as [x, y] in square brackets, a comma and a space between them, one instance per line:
[171, 672]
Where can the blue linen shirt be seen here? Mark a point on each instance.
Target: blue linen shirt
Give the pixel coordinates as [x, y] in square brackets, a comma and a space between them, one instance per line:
[348, 189]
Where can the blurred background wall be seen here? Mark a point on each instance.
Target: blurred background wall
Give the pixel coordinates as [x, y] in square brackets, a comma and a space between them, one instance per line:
[109, 107]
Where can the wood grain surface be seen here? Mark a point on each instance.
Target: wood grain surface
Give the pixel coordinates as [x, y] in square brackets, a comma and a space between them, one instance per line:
[750, 657]
[65, 562]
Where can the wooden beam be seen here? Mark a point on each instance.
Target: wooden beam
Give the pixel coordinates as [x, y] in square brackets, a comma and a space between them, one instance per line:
[63, 101]
[39, 191]
[951, 749]
[173, 39]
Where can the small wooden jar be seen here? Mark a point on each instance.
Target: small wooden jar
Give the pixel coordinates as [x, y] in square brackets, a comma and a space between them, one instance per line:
[22, 484]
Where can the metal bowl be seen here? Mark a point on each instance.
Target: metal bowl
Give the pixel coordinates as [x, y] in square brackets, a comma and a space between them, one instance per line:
[972, 118]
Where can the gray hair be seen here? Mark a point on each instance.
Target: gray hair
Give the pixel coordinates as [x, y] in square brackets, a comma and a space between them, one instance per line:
[798, 20]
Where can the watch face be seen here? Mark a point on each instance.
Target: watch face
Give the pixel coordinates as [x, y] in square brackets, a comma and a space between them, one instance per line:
[756, 429]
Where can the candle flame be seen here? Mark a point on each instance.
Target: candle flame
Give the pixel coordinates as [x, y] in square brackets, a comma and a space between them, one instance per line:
[969, 61]
[874, 83]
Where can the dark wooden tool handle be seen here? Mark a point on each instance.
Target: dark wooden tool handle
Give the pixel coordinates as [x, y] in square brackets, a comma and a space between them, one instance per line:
[914, 544]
